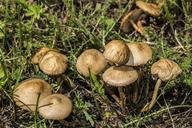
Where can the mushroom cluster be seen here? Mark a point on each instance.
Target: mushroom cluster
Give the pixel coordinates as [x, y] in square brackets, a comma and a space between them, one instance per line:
[119, 66]
[36, 94]
[127, 60]
[123, 57]
[134, 18]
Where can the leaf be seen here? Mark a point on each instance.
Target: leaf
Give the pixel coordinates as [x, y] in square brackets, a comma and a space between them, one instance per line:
[97, 86]
[109, 22]
[88, 117]
[2, 28]
[3, 75]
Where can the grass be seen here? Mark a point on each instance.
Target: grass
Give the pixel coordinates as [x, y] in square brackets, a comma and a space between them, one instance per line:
[73, 26]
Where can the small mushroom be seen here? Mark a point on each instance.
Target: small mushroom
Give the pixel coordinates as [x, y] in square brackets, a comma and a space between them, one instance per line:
[140, 54]
[53, 63]
[163, 70]
[27, 92]
[116, 52]
[92, 60]
[55, 107]
[149, 8]
[129, 21]
[120, 77]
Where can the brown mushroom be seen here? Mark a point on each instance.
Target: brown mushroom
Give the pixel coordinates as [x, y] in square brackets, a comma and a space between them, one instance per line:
[92, 60]
[120, 77]
[129, 21]
[50, 61]
[55, 107]
[140, 54]
[27, 93]
[163, 70]
[116, 51]
[150, 8]
[53, 63]
[39, 55]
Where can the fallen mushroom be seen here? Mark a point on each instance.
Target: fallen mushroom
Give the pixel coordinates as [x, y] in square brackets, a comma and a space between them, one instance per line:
[55, 107]
[116, 51]
[27, 93]
[163, 70]
[129, 21]
[92, 60]
[150, 8]
[133, 18]
[140, 54]
[120, 77]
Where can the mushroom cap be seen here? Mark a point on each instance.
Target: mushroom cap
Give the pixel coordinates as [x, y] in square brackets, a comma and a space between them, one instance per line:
[116, 51]
[140, 54]
[55, 107]
[165, 70]
[150, 8]
[134, 15]
[90, 59]
[120, 76]
[26, 93]
[53, 63]
[39, 55]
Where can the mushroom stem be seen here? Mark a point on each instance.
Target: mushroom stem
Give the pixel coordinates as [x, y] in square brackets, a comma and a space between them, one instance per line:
[122, 98]
[149, 106]
[111, 93]
[136, 88]
[135, 93]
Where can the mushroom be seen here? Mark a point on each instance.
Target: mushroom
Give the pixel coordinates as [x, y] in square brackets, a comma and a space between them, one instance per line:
[140, 54]
[150, 8]
[120, 77]
[129, 21]
[92, 60]
[53, 63]
[134, 17]
[50, 61]
[40, 54]
[55, 107]
[116, 51]
[163, 70]
[29, 92]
